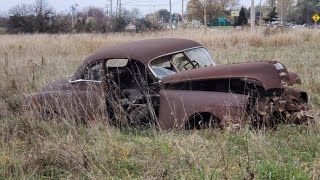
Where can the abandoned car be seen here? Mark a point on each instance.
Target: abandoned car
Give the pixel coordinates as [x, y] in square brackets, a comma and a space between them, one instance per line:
[175, 84]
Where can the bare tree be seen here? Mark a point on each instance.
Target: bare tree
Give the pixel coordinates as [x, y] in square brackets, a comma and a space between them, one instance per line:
[285, 8]
[37, 17]
[195, 10]
[43, 14]
[229, 4]
[135, 13]
[21, 19]
[41, 7]
[21, 10]
[96, 13]
[271, 3]
[214, 9]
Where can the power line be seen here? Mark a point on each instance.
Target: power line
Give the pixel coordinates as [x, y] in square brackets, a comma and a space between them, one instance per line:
[170, 15]
[111, 8]
[147, 5]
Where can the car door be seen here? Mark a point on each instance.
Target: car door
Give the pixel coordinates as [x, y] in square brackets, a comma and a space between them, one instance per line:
[87, 93]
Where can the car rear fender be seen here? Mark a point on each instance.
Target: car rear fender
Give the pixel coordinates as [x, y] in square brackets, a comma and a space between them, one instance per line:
[72, 104]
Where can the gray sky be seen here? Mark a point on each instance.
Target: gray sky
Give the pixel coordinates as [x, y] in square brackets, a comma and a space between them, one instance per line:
[145, 6]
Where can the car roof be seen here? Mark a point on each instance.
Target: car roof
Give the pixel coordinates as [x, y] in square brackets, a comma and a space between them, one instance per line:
[143, 50]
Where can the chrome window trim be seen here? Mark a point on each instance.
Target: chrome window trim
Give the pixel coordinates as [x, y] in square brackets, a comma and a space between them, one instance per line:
[83, 80]
[83, 69]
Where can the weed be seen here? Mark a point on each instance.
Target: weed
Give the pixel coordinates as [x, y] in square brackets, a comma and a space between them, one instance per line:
[31, 148]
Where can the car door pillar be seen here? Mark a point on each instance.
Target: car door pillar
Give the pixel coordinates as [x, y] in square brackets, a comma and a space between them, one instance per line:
[103, 71]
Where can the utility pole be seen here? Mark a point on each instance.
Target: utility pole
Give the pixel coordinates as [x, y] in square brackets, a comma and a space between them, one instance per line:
[119, 8]
[281, 13]
[170, 20]
[73, 14]
[107, 13]
[162, 20]
[110, 8]
[150, 13]
[252, 16]
[260, 18]
[205, 16]
[154, 13]
[182, 12]
[87, 13]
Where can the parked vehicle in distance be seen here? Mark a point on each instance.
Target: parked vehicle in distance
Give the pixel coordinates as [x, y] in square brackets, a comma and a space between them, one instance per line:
[175, 84]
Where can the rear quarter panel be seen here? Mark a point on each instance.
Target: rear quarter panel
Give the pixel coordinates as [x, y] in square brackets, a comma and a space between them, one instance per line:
[80, 103]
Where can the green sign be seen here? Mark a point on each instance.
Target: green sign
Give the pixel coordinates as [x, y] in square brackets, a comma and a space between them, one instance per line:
[222, 20]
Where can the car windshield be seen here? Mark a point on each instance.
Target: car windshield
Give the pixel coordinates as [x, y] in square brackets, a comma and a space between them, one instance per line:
[183, 61]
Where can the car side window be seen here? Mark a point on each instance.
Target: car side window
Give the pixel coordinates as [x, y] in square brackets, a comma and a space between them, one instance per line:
[162, 67]
[92, 72]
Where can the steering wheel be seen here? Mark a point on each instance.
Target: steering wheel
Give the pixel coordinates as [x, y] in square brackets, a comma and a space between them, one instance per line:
[193, 63]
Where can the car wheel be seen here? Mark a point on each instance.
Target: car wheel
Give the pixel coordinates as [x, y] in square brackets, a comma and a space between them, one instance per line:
[141, 115]
[202, 120]
[48, 114]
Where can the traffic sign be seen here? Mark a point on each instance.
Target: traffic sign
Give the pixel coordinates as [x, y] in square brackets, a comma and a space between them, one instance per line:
[316, 17]
[235, 13]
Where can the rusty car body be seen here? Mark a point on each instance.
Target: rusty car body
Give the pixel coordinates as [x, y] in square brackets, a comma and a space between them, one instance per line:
[176, 84]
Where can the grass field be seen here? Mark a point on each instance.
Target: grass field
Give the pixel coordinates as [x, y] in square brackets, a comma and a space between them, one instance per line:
[31, 148]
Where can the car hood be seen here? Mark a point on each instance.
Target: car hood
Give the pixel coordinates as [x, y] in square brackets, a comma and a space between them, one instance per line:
[270, 74]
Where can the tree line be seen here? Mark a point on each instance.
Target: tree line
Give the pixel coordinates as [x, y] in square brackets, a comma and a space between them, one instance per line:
[297, 11]
[40, 17]
[293, 11]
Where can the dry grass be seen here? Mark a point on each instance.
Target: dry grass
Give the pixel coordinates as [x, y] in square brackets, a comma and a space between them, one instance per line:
[32, 148]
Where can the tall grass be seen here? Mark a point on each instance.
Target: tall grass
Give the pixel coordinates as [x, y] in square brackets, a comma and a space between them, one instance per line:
[33, 148]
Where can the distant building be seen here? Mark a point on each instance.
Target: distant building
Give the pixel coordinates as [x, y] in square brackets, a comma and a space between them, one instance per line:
[131, 27]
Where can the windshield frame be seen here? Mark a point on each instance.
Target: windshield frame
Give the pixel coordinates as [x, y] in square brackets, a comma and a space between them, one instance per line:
[172, 53]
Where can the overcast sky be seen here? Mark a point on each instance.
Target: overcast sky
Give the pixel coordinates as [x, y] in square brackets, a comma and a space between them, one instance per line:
[145, 6]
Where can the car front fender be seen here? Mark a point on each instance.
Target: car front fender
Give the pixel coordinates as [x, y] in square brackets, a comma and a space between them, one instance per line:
[177, 106]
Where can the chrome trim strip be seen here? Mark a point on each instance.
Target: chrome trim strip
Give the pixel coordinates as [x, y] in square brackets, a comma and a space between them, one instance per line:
[83, 80]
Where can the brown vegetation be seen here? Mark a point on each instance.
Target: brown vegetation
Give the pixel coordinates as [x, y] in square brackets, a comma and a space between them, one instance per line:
[33, 148]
